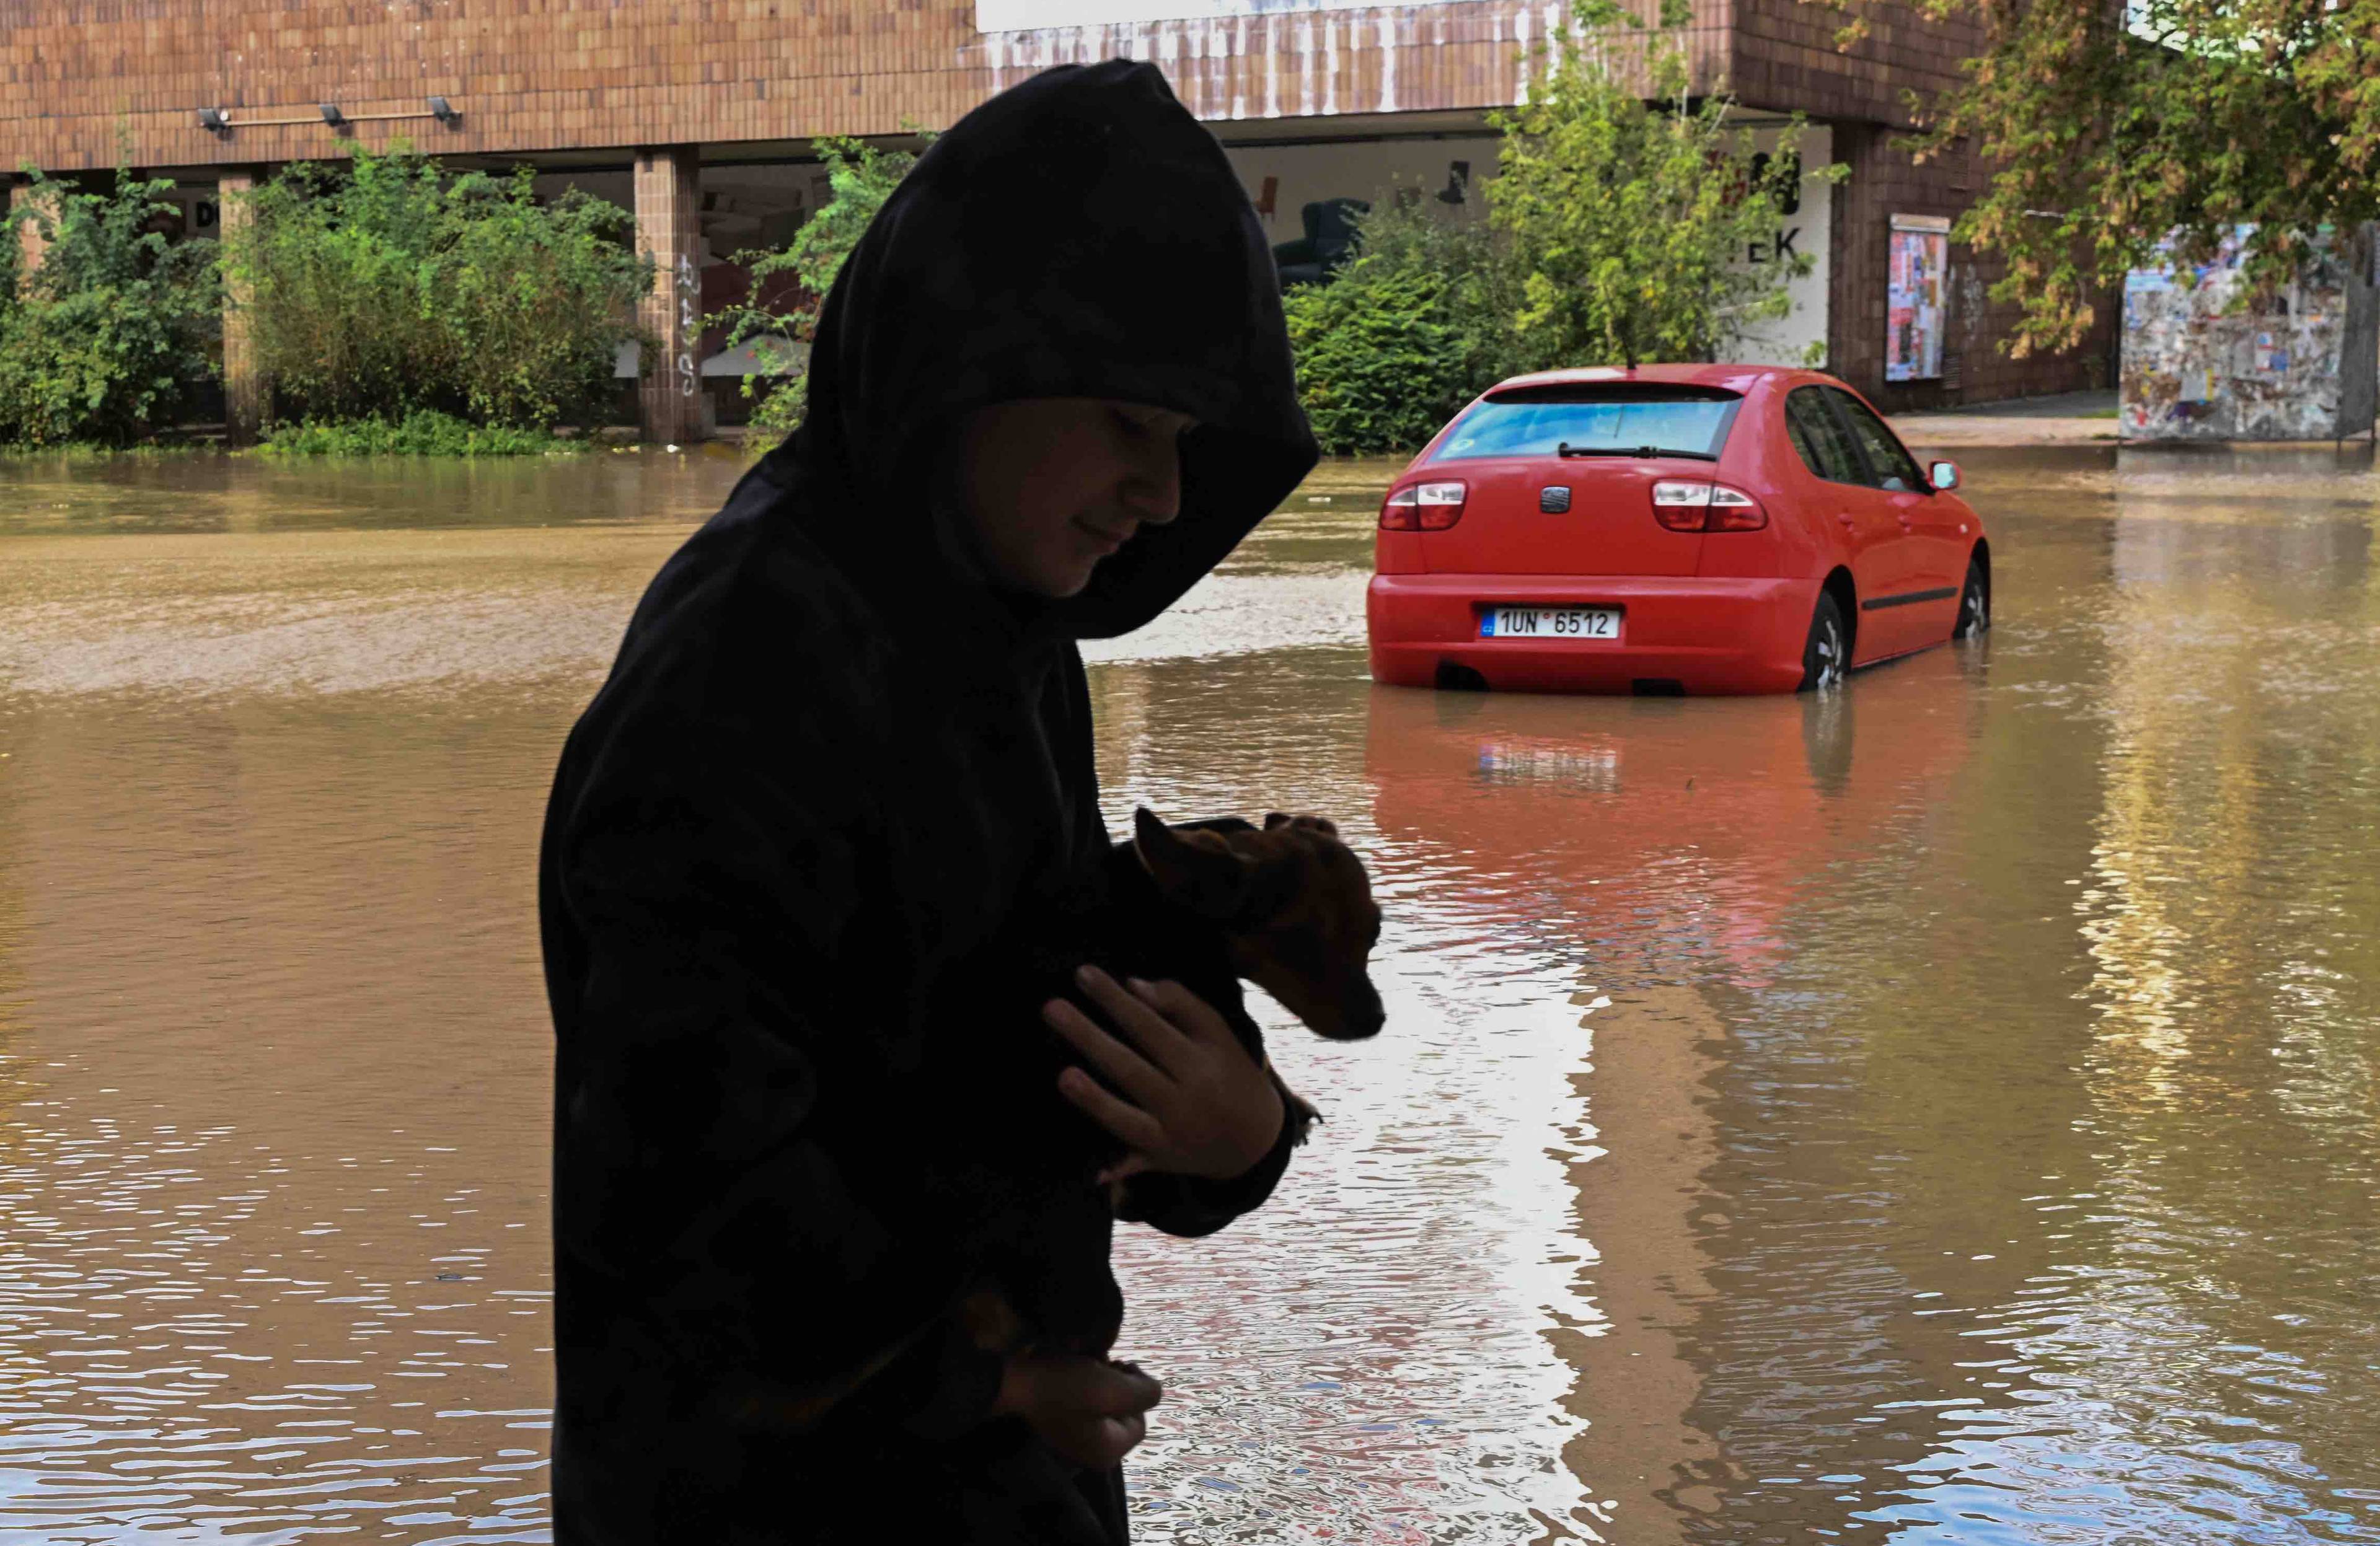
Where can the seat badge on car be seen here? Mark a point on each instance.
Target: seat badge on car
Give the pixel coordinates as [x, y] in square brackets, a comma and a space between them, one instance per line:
[1554, 501]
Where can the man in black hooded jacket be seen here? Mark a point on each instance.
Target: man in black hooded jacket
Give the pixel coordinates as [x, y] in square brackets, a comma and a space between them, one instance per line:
[844, 755]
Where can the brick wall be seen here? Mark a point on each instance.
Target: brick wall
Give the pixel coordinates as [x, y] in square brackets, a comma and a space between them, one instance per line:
[1784, 56]
[1884, 181]
[545, 75]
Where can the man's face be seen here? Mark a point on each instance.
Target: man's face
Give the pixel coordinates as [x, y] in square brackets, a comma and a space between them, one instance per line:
[1053, 485]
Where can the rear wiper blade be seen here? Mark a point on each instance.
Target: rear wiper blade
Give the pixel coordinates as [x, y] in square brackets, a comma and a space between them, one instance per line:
[1566, 449]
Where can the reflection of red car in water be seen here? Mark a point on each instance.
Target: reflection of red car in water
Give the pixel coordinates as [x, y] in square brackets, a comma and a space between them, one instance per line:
[1658, 830]
[1714, 528]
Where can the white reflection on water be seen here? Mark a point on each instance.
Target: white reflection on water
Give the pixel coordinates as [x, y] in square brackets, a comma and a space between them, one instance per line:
[1367, 1359]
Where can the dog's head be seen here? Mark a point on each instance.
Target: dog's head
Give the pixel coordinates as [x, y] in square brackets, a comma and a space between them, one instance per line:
[1293, 902]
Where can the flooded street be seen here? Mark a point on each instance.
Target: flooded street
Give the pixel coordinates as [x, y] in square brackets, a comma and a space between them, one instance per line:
[1949, 1111]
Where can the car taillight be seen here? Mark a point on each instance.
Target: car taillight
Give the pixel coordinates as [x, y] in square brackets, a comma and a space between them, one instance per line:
[1690, 504]
[1423, 507]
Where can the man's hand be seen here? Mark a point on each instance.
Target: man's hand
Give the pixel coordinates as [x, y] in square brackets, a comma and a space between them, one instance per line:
[1086, 1409]
[1194, 1103]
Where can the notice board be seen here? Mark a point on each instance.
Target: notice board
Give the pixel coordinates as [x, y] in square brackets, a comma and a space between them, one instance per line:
[2208, 359]
[1917, 278]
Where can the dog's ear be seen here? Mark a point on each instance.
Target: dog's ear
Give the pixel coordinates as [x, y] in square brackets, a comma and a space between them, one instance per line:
[1197, 869]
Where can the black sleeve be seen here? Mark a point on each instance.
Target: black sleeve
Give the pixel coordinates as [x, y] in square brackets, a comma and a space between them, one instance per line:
[718, 941]
[1192, 1206]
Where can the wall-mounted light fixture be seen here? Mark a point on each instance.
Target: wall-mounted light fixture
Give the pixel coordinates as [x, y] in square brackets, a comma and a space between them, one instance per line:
[217, 120]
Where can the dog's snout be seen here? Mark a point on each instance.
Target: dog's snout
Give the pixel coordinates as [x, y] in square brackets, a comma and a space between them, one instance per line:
[1364, 1017]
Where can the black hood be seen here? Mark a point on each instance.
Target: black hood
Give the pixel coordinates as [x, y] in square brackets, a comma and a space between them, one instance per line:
[1078, 235]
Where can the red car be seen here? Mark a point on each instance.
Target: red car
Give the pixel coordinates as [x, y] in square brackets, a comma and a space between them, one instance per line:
[1667, 529]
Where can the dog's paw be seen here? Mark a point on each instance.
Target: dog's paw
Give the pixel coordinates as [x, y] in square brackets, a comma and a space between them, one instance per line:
[1301, 1113]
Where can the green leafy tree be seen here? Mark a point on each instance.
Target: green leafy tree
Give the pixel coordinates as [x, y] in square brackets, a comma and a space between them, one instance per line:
[1628, 216]
[789, 283]
[2112, 128]
[389, 287]
[1404, 334]
[110, 335]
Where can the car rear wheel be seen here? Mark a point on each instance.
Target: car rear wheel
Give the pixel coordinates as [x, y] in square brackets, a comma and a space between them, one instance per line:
[1975, 605]
[1827, 652]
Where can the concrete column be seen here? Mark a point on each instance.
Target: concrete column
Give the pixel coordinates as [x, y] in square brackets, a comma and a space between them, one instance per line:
[2359, 362]
[669, 392]
[33, 244]
[247, 394]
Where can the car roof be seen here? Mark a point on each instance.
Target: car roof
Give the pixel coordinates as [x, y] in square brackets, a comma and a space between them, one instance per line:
[1735, 378]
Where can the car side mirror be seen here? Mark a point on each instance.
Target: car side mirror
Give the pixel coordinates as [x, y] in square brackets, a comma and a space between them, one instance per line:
[1944, 475]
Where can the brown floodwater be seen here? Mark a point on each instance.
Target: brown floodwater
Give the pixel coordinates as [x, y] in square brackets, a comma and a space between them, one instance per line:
[1943, 1112]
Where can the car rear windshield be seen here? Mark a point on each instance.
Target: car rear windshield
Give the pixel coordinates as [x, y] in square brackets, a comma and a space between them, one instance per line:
[1615, 420]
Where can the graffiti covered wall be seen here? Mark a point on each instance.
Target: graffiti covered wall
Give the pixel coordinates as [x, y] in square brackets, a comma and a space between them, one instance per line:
[2203, 362]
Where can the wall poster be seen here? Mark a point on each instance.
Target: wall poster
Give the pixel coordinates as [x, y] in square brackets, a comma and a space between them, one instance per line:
[1918, 278]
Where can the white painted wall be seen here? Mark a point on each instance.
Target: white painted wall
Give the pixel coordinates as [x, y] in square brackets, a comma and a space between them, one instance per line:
[1374, 169]
[1365, 169]
[1309, 54]
[1807, 230]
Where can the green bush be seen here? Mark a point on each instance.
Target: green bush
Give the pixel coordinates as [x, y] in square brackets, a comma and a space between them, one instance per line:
[1613, 235]
[389, 288]
[779, 404]
[1627, 213]
[111, 336]
[1404, 335]
[859, 178]
[423, 432]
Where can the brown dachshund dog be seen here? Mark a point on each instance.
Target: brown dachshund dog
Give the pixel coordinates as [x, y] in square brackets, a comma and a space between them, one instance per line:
[1208, 904]
[1292, 908]
[1287, 906]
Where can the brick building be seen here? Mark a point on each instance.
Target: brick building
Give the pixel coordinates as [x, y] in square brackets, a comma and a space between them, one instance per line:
[699, 116]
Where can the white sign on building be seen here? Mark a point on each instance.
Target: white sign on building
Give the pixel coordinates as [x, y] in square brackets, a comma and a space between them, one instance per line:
[1790, 340]
[1445, 174]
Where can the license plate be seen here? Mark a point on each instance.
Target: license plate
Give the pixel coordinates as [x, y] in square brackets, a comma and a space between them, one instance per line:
[1549, 622]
